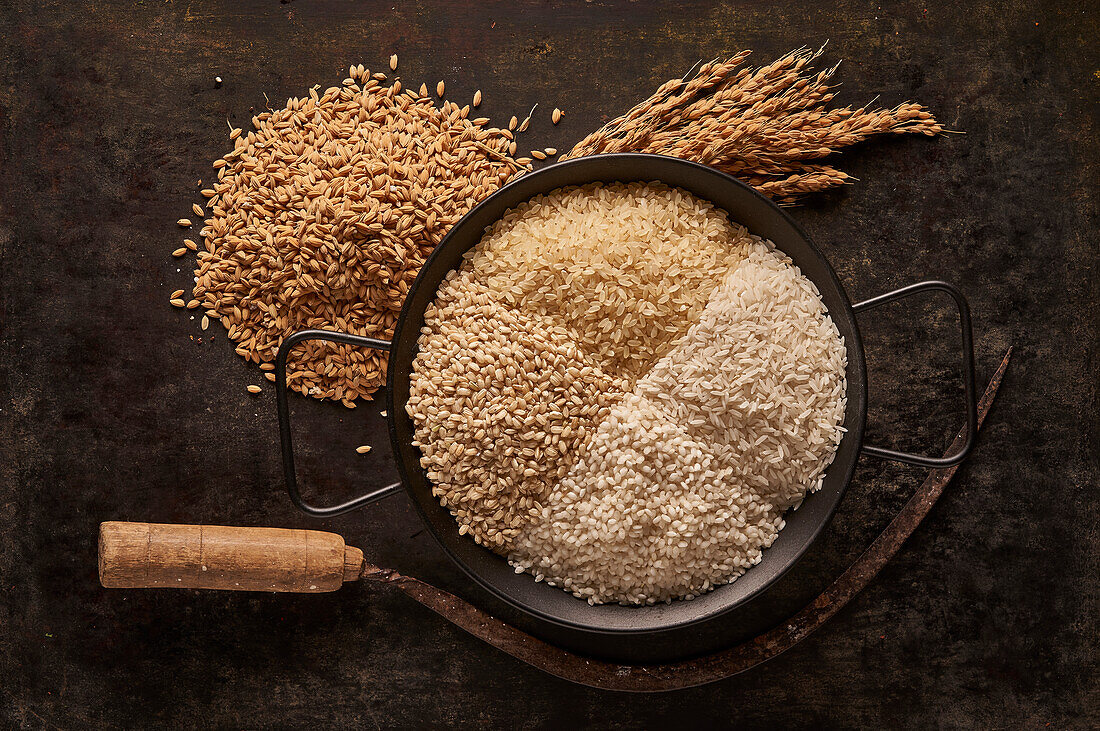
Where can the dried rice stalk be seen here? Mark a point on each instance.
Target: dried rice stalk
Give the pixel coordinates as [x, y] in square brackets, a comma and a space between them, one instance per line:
[762, 125]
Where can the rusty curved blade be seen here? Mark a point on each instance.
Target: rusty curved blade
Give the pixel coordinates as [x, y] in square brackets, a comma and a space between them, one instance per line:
[723, 664]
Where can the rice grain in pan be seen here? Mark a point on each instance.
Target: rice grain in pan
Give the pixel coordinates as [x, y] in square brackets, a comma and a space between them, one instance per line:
[623, 392]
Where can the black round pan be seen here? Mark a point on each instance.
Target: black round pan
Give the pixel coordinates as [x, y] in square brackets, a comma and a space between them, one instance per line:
[614, 630]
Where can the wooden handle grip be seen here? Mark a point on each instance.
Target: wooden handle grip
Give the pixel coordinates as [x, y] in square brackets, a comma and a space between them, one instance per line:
[154, 555]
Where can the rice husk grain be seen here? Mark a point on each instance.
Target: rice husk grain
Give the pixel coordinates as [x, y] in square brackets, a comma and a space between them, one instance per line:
[323, 215]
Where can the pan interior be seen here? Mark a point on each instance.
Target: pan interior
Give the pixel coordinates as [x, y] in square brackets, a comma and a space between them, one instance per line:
[746, 207]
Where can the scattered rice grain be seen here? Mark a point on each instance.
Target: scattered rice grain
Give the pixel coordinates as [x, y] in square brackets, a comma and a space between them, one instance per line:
[368, 181]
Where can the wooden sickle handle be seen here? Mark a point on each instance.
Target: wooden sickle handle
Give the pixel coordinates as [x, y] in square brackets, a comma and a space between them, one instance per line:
[154, 555]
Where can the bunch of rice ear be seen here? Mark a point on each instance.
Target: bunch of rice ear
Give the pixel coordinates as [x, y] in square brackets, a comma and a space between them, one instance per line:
[767, 126]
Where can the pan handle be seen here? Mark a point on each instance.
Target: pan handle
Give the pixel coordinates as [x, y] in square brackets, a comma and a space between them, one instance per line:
[155, 556]
[284, 422]
[967, 373]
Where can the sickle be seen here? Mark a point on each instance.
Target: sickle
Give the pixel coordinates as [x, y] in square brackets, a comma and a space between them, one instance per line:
[709, 668]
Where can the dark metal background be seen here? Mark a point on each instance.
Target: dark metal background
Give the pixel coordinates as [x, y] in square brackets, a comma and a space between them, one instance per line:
[109, 116]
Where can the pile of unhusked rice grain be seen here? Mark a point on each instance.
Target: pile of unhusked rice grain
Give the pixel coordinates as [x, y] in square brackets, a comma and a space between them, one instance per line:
[500, 404]
[625, 267]
[687, 479]
[322, 217]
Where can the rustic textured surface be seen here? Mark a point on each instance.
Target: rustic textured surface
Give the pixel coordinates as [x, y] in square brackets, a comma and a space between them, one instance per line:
[109, 410]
